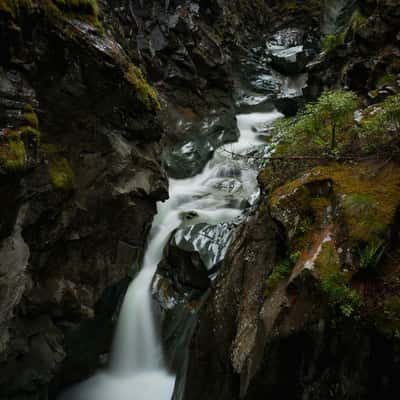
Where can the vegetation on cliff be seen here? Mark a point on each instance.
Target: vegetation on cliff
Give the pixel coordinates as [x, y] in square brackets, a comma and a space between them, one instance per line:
[145, 93]
[330, 126]
[86, 9]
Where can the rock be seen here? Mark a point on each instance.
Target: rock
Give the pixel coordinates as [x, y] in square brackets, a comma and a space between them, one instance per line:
[269, 317]
[291, 95]
[81, 194]
[287, 53]
[189, 158]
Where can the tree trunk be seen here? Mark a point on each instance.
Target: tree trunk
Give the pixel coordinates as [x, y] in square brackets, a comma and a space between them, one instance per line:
[333, 137]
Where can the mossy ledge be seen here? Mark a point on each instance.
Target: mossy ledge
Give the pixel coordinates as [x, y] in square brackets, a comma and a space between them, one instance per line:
[145, 93]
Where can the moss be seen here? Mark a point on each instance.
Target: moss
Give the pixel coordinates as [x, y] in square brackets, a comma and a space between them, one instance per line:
[16, 7]
[369, 196]
[87, 10]
[343, 300]
[31, 119]
[145, 93]
[280, 273]
[332, 42]
[61, 175]
[357, 21]
[12, 153]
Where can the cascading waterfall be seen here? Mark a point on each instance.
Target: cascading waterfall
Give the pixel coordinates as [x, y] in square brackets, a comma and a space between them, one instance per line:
[137, 370]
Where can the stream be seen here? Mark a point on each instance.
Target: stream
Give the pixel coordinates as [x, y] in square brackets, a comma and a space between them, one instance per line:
[137, 369]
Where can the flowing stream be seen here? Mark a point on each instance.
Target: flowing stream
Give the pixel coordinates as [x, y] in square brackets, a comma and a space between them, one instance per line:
[137, 370]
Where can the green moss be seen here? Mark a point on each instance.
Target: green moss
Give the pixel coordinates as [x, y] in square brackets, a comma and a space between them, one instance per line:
[31, 119]
[357, 21]
[12, 153]
[61, 175]
[280, 273]
[343, 300]
[145, 93]
[16, 7]
[380, 128]
[332, 42]
[366, 198]
[87, 10]
[369, 196]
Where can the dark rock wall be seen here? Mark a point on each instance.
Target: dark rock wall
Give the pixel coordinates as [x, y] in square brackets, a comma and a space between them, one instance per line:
[80, 172]
[75, 214]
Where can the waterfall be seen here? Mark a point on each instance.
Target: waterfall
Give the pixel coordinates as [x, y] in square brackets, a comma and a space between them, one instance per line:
[137, 370]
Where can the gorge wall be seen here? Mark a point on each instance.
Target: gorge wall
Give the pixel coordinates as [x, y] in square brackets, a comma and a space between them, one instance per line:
[82, 135]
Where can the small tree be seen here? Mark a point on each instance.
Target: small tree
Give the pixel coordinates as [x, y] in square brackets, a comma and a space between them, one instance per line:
[336, 111]
[321, 122]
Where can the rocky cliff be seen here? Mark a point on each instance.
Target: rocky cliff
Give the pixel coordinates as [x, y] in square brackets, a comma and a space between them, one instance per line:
[82, 131]
[91, 95]
[306, 305]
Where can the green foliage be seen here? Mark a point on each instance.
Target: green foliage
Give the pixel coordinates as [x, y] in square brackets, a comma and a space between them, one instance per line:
[280, 273]
[332, 42]
[145, 93]
[62, 176]
[357, 21]
[331, 117]
[31, 119]
[16, 7]
[343, 300]
[371, 255]
[83, 9]
[381, 126]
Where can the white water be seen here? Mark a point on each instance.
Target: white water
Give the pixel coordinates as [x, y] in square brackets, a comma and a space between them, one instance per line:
[137, 370]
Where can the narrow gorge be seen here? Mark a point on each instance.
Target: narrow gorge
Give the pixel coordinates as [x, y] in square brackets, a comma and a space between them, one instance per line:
[199, 199]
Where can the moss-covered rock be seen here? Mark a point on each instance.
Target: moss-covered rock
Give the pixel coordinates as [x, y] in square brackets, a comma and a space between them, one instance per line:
[12, 153]
[145, 93]
[16, 7]
[338, 219]
[81, 9]
[61, 175]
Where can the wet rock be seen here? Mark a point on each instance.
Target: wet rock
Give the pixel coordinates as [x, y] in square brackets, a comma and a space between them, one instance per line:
[287, 53]
[291, 96]
[91, 166]
[189, 158]
[257, 317]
